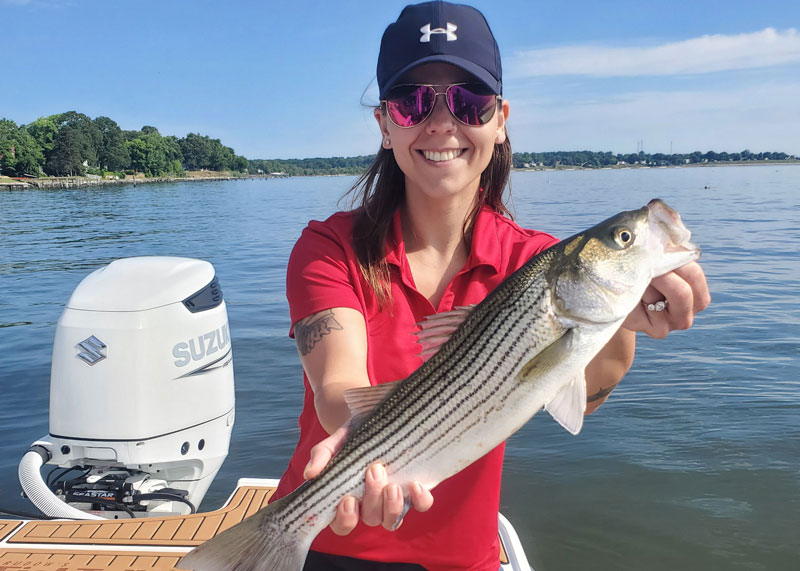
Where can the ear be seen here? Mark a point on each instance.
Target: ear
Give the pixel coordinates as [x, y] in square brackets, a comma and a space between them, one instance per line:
[383, 121]
[502, 117]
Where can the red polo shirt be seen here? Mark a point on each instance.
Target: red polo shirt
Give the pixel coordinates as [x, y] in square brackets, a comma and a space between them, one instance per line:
[460, 530]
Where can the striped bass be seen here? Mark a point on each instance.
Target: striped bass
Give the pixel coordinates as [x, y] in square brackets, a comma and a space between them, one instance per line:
[489, 368]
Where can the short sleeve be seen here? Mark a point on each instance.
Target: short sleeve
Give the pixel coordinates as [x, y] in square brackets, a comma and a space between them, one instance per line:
[320, 273]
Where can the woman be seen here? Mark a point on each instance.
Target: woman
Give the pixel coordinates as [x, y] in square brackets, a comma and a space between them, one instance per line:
[431, 235]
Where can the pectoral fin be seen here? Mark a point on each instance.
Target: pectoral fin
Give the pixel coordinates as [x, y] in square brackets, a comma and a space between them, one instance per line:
[569, 405]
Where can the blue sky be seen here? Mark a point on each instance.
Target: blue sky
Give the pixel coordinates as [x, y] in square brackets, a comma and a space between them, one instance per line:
[285, 79]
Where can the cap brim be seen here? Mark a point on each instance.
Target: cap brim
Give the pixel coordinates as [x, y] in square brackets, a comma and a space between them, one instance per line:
[481, 74]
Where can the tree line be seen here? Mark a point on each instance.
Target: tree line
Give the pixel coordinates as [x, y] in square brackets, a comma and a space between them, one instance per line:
[73, 144]
[311, 167]
[584, 159]
[591, 159]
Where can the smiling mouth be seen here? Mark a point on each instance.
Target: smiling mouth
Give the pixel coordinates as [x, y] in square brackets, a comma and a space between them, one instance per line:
[441, 156]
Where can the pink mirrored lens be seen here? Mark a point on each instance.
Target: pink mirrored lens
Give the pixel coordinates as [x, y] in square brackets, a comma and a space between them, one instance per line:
[410, 105]
[470, 107]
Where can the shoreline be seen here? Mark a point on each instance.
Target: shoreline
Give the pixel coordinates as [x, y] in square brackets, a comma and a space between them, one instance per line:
[60, 183]
[66, 182]
[635, 166]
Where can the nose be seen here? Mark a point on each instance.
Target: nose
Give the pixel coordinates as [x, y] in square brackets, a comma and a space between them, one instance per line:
[440, 119]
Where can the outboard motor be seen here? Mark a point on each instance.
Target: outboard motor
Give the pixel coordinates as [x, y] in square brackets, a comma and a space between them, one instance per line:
[141, 393]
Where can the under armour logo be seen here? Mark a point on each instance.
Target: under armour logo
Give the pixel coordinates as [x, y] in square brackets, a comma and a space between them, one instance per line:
[450, 32]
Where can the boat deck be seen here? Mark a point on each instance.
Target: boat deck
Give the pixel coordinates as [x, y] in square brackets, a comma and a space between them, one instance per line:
[129, 545]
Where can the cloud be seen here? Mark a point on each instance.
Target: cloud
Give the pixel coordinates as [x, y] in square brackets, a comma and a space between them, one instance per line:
[762, 117]
[706, 54]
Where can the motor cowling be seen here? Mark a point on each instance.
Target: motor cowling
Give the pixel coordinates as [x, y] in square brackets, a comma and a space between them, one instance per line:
[142, 373]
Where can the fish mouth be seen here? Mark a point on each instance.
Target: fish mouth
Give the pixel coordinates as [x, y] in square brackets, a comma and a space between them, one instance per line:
[676, 237]
[671, 238]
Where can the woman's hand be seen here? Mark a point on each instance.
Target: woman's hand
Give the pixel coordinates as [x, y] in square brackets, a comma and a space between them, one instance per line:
[382, 503]
[686, 293]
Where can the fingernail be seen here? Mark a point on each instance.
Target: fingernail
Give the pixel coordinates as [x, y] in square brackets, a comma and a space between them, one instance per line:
[417, 487]
[349, 505]
[377, 472]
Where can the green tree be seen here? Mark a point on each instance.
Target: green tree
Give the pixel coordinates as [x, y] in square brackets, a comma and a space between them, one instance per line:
[148, 155]
[240, 164]
[89, 139]
[44, 131]
[153, 154]
[112, 153]
[66, 158]
[20, 155]
[172, 148]
[196, 151]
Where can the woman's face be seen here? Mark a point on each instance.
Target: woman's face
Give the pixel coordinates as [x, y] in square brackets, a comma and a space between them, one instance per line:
[441, 157]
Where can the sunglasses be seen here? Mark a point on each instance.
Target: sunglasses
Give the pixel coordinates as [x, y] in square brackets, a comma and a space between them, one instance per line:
[470, 103]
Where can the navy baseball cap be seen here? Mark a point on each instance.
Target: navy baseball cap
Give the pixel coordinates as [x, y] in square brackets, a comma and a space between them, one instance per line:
[439, 32]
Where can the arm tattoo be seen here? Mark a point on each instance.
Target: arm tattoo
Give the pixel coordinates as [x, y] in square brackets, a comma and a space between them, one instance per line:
[309, 331]
[602, 393]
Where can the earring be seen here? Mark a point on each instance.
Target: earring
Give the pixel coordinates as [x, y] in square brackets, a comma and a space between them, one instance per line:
[386, 142]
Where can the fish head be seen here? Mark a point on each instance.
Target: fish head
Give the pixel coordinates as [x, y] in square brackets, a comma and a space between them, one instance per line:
[604, 271]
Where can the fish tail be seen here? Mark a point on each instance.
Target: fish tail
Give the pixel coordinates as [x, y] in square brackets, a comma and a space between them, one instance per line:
[259, 543]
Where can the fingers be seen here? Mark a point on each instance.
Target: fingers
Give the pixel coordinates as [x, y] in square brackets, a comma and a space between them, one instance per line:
[679, 313]
[346, 518]
[322, 453]
[693, 275]
[686, 293]
[421, 497]
[393, 507]
[383, 503]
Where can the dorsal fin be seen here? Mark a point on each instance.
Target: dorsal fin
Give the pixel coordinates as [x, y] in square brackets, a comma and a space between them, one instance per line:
[363, 400]
[437, 329]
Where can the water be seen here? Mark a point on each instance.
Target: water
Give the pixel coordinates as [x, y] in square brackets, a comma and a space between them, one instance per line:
[693, 463]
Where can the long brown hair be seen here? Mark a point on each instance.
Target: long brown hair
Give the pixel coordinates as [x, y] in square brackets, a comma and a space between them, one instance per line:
[381, 190]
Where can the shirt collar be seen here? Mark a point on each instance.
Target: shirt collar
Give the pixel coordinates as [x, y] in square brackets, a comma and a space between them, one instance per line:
[485, 247]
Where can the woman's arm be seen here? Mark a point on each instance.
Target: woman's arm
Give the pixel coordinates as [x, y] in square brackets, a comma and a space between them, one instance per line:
[606, 370]
[333, 350]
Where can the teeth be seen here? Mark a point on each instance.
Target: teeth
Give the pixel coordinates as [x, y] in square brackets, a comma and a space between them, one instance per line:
[443, 156]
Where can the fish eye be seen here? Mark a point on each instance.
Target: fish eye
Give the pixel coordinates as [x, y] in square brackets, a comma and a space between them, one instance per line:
[623, 236]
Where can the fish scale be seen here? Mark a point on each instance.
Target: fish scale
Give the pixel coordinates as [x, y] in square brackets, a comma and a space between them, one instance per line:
[522, 348]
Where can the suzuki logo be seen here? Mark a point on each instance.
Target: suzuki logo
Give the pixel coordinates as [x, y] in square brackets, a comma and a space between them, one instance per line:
[92, 350]
[450, 32]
